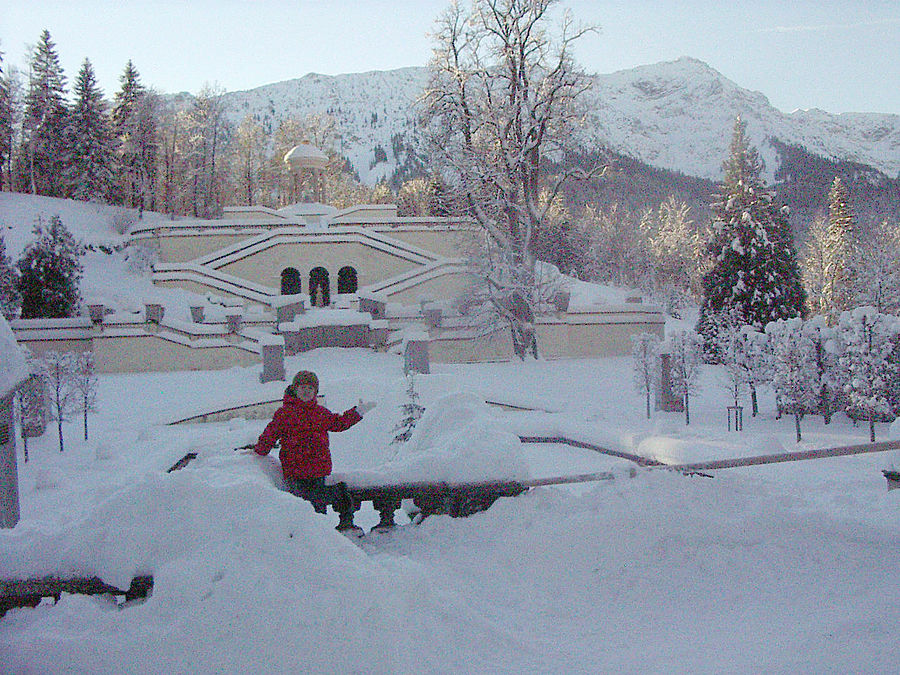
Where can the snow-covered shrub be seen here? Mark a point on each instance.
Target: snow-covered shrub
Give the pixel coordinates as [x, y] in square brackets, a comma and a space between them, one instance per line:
[869, 340]
[140, 259]
[794, 373]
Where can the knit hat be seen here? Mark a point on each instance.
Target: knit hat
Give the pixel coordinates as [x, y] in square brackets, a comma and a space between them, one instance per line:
[306, 377]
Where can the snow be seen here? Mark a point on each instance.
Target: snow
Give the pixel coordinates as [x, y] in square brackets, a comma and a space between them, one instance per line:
[13, 369]
[675, 115]
[785, 568]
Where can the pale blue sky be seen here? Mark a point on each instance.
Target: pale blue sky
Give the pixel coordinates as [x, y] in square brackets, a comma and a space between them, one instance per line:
[838, 55]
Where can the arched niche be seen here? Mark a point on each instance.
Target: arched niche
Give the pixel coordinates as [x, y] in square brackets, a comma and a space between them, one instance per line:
[347, 282]
[291, 281]
[319, 287]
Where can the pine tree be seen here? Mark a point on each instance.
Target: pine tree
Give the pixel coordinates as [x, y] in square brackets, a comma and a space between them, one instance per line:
[91, 175]
[6, 121]
[412, 412]
[754, 266]
[9, 279]
[838, 253]
[49, 272]
[44, 124]
[135, 126]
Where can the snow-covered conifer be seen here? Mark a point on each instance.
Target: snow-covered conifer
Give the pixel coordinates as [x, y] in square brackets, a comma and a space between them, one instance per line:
[676, 245]
[876, 267]
[754, 267]
[6, 121]
[10, 299]
[49, 272]
[838, 253]
[686, 348]
[44, 124]
[91, 173]
[868, 340]
[645, 364]
[134, 118]
[794, 373]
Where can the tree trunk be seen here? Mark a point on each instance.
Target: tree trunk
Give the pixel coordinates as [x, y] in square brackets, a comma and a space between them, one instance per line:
[871, 427]
[85, 424]
[753, 404]
[797, 425]
[648, 404]
[59, 430]
[687, 409]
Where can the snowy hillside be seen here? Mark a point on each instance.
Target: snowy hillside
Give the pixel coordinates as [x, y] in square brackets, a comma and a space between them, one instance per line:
[674, 115]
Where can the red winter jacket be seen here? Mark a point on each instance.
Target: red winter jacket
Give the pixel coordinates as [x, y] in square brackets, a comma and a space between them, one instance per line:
[302, 427]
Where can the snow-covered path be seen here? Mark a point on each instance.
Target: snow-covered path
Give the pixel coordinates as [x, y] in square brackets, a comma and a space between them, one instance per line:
[785, 568]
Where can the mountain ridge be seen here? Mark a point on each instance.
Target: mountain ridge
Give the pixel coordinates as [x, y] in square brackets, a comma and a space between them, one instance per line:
[675, 115]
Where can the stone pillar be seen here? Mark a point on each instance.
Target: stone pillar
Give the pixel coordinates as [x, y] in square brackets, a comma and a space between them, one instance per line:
[432, 316]
[9, 476]
[272, 359]
[415, 356]
[666, 399]
[96, 312]
[233, 321]
[154, 313]
[377, 308]
[378, 333]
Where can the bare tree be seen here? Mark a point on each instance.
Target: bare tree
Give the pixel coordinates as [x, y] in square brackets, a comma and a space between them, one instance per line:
[645, 364]
[686, 348]
[57, 368]
[32, 408]
[502, 97]
[84, 382]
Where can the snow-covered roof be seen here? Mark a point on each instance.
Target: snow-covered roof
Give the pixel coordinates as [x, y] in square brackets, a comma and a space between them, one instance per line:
[305, 156]
[13, 368]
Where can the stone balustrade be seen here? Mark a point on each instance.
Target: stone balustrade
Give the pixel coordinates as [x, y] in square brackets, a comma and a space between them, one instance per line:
[456, 500]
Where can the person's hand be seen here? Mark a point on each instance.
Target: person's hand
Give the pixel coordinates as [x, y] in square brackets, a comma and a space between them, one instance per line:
[364, 406]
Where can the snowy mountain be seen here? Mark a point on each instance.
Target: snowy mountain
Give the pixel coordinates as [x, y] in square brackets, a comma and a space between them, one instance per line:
[674, 115]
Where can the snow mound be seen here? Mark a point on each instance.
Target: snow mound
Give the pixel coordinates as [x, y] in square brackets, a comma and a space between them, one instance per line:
[457, 440]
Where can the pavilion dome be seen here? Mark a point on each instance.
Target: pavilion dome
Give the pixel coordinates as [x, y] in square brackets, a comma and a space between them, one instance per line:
[306, 156]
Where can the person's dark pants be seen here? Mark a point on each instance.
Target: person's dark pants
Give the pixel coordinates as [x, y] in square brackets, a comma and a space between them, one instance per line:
[315, 491]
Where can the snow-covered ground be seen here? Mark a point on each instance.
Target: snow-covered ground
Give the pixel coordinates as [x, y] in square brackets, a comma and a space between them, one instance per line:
[786, 568]
[783, 568]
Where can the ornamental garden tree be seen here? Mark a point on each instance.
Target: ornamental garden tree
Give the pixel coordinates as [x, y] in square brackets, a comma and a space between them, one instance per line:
[869, 340]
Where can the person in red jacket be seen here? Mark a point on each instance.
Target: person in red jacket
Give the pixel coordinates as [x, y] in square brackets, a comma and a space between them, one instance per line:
[302, 426]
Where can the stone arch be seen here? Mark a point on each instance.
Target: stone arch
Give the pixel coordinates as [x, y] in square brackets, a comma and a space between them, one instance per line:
[291, 281]
[347, 282]
[319, 283]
